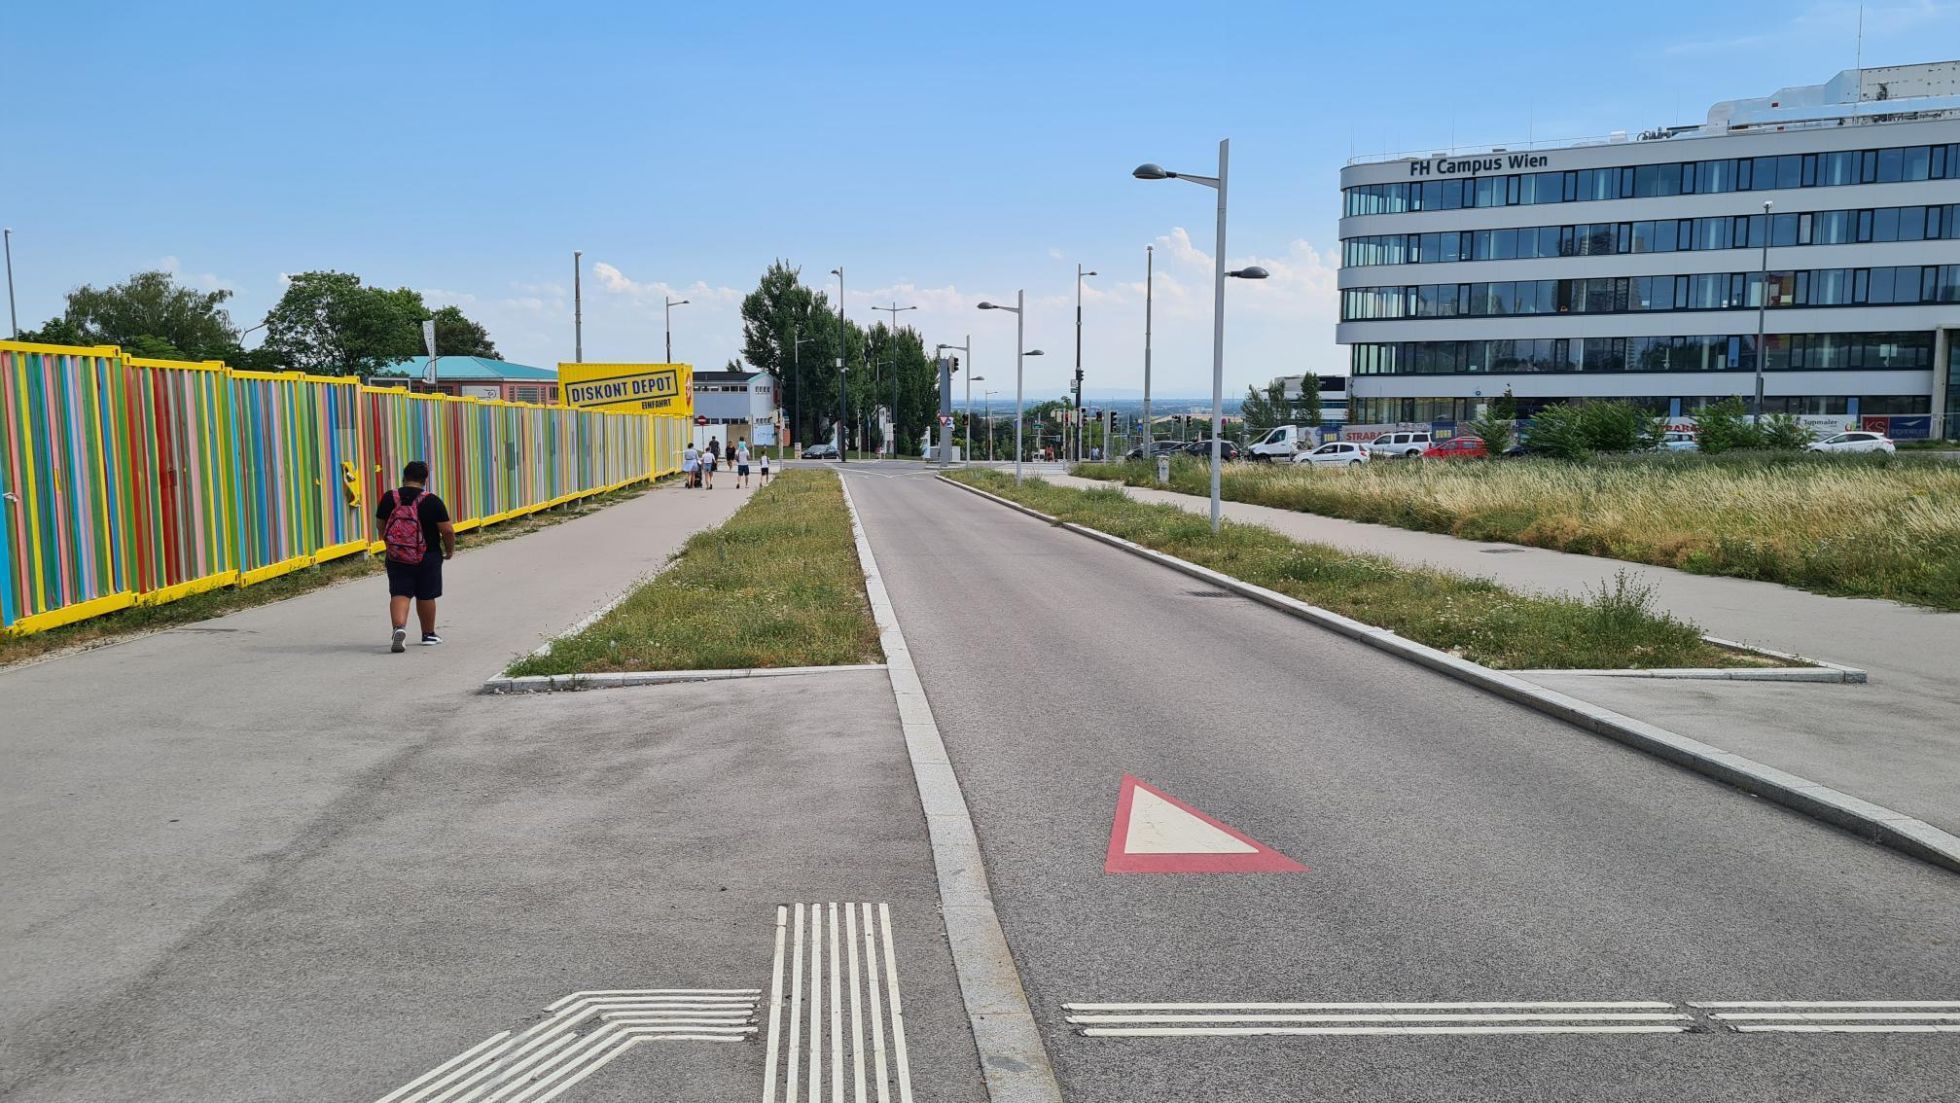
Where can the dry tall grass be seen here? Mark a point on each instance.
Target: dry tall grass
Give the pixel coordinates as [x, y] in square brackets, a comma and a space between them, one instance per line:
[1877, 527]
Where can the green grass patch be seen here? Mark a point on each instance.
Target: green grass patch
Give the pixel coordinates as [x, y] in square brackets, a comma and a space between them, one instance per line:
[1851, 525]
[1615, 627]
[145, 619]
[778, 584]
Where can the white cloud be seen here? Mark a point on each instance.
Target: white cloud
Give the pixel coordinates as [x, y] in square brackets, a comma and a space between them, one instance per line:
[204, 281]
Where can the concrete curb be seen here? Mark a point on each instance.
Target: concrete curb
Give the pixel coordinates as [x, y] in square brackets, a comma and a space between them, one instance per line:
[1011, 1054]
[1824, 673]
[1862, 818]
[560, 683]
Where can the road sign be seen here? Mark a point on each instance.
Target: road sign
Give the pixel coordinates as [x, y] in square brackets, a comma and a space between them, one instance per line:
[700, 419]
[1155, 832]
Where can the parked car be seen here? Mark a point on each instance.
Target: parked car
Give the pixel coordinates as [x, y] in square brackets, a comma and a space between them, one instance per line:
[1158, 448]
[1855, 442]
[1674, 440]
[1457, 448]
[1335, 453]
[1399, 445]
[1284, 442]
[820, 452]
[1227, 451]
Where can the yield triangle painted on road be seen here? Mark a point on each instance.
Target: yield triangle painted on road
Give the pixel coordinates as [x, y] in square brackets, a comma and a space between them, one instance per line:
[1155, 832]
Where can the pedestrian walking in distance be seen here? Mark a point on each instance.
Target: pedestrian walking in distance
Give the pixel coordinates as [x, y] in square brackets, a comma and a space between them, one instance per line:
[418, 536]
[691, 467]
[741, 464]
[765, 469]
[708, 458]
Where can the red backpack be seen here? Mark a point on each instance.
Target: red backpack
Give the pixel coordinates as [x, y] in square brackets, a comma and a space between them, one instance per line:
[403, 533]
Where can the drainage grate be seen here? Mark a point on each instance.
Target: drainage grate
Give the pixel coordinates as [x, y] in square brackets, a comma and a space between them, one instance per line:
[1206, 593]
[1503, 551]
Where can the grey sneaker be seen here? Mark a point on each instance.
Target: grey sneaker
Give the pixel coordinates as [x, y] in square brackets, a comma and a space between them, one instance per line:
[396, 645]
[430, 639]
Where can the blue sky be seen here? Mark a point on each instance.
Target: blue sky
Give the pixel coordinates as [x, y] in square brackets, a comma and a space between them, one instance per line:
[942, 153]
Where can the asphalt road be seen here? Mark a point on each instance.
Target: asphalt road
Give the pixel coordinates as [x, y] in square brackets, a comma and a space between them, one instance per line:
[1459, 848]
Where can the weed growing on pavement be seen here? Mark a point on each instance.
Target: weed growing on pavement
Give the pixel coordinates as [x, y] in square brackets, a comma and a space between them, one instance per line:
[778, 584]
[144, 619]
[1861, 526]
[1612, 627]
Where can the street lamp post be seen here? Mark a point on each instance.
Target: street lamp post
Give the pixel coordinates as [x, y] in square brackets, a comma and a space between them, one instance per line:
[1149, 451]
[578, 311]
[13, 317]
[1762, 309]
[1216, 183]
[1080, 425]
[671, 304]
[796, 368]
[895, 311]
[1020, 353]
[843, 401]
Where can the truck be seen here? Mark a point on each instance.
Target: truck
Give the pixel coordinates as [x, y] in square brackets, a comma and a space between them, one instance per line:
[1282, 444]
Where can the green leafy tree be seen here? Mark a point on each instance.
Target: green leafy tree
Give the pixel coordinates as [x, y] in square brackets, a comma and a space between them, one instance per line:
[151, 314]
[1496, 432]
[1263, 411]
[1306, 406]
[329, 323]
[1724, 426]
[1505, 406]
[1556, 431]
[1784, 433]
[57, 331]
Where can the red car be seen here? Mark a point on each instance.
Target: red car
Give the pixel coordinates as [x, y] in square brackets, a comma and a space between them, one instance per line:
[1456, 448]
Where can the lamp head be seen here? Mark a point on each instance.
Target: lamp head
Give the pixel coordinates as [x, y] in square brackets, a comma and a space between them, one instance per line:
[988, 306]
[1034, 352]
[1150, 171]
[1253, 272]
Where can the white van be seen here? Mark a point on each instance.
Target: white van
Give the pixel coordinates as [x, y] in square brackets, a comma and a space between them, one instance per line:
[1405, 445]
[1282, 444]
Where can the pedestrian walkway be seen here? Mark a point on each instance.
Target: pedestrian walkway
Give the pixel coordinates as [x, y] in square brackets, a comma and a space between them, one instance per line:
[1894, 741]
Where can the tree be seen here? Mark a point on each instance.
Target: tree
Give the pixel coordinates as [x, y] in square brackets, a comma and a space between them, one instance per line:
[1264, 411]
[57, 331]
[1722, 426]
[329, 323]
[1505, 406]
[457, 335]
[150, 314]
[1306, 406]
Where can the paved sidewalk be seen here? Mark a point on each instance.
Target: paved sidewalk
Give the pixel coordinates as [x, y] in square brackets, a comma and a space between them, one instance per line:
[261, 858]
[1895, 741]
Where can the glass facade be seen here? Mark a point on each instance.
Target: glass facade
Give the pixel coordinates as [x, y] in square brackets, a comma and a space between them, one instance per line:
[1895, 164]
[1907, 285]
[1889, 351]
[1664, 235]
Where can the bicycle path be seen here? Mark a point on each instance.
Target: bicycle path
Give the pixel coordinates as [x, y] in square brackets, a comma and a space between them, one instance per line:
[1894, 741]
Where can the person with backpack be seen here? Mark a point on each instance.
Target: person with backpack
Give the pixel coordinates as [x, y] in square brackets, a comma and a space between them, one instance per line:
[741, 463]
[710, 459]
[418, 536]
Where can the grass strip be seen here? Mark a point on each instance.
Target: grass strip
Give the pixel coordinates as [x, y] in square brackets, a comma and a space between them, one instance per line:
[1850, 525]
[778, 584]
[1614, 627]
[144, 619]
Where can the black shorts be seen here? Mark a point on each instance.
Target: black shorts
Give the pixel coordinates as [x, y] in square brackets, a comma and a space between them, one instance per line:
[421, 581]
[742, 470]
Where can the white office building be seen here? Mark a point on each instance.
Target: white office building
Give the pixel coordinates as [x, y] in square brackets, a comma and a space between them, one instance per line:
[1633, 268]
[1333, 396]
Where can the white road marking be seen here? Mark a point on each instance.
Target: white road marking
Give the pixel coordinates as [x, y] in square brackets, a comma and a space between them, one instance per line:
[795, 1008]
[1159, 827]
[552, 1055]
[898, 1012]
[1622, 1005]
[1254, 1031]
[836, 1016]
[816, 1003]
[1847, 1028]
[1737, 1005]
[775, 1009]
[857, 1012]
[1386, 1017]
[877, 1006]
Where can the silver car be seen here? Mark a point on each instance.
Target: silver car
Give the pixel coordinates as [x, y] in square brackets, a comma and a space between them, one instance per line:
[1337, 453]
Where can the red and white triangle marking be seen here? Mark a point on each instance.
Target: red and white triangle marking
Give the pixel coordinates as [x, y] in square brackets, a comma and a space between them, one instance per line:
[1155, 832]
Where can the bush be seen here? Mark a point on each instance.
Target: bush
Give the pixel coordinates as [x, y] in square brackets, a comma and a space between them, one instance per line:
[1555, 431]
[1783, 432]
[1723, 427]
[1574, 432]
[1494, 431]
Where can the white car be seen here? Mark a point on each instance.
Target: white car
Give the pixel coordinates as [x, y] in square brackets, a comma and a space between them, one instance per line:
[1402, 445]
[1339, 453]
[1854, 442]
[1677, 441]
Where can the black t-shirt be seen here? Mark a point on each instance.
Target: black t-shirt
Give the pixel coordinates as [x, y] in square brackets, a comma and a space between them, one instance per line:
[432, 512]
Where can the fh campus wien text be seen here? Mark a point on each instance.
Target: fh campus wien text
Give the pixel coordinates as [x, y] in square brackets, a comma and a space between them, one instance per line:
[1472, 166]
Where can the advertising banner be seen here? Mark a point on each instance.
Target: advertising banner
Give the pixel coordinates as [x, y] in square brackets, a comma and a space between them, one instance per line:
[628, 388]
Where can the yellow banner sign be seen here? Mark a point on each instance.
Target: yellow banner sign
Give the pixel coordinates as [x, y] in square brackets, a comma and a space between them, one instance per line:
[664, 388]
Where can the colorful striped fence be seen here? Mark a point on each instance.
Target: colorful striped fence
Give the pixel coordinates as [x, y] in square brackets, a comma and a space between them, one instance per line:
[126, 481]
